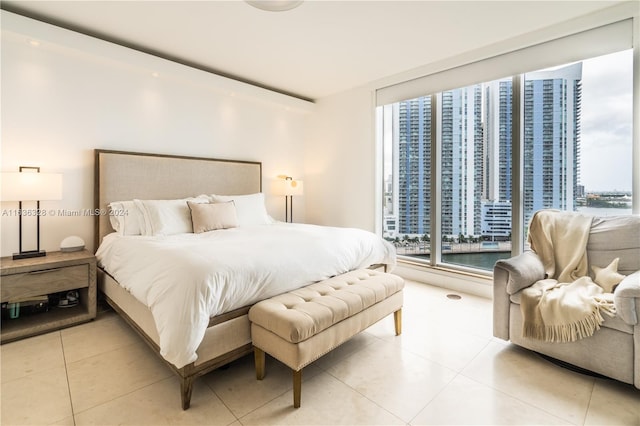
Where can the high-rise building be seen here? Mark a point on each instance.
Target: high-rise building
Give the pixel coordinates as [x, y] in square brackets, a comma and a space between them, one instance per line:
[552, 101]
[496, 220]
[475, 125]
[412, 157]
[497, 140]
[461, 160]
[551, 142]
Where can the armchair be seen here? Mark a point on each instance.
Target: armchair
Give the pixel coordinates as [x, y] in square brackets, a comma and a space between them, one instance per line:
[614, 349]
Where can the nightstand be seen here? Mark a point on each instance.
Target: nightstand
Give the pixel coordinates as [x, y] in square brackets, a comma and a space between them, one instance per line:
[57, 272]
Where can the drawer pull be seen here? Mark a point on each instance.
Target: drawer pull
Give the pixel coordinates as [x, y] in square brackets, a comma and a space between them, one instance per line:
[44, 271]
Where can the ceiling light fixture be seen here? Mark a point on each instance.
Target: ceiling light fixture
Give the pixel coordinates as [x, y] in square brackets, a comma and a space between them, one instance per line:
[275, 5]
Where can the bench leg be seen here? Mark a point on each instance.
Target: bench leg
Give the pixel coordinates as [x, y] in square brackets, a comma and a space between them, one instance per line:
[258, 355]
[397, 319]
[297, 388]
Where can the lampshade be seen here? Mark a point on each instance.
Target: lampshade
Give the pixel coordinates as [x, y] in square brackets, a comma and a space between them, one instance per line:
[293, 187]
[28, 186]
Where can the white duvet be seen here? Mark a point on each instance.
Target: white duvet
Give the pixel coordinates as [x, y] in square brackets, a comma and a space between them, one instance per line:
[185, 279]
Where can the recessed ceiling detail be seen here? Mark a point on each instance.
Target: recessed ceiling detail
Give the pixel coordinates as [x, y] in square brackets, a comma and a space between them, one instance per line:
[318, 49]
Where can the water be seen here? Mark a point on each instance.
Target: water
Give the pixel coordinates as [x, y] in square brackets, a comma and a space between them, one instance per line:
[476, 260]
[486, 260]
[600, 211]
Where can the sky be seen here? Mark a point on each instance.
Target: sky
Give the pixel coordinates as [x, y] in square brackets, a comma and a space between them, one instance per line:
[607, 119]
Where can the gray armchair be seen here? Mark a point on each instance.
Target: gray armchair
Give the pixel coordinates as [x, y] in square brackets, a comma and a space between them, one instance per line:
[614, 350]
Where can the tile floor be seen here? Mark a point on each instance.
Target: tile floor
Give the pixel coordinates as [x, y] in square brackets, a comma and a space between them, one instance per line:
[446, 368]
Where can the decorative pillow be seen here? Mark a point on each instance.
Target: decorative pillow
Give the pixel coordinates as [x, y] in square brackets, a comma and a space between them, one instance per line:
[167, 217]
[608, 277]
[211, 216]
[625, 296]
[249, 208]
[126, 218]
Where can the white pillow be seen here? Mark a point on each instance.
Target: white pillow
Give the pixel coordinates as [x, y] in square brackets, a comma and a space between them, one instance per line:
[250, 209]
[608, 277]
[125, 218]
[167, 217]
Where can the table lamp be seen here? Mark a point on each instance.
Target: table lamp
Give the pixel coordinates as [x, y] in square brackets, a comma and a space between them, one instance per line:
[30, 185]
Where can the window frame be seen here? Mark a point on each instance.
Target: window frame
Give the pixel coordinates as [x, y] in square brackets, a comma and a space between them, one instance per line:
[618, 28]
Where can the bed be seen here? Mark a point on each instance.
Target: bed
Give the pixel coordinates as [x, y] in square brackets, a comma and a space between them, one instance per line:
[233, 275]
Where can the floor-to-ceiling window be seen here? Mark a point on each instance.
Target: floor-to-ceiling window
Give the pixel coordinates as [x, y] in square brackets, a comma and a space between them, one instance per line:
[466, 167]
[407, 171]
[577, 140]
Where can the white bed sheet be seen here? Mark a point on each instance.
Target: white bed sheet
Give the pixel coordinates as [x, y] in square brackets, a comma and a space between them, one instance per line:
[187, 278]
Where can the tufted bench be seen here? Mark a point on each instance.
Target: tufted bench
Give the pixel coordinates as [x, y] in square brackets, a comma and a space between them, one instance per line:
[300, 326]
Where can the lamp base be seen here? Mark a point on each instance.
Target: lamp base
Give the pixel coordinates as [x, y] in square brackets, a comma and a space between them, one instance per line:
[29, 254]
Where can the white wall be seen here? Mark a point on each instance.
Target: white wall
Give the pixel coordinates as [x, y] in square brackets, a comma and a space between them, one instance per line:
[72, 94]
[340, 156]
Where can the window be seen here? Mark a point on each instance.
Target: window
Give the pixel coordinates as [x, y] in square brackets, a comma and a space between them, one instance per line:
[407, 201]
[453, 158]
[475, 147]
[578, 136]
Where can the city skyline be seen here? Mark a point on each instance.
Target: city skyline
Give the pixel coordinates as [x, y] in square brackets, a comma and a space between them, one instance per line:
[474, 128]
[606, 124]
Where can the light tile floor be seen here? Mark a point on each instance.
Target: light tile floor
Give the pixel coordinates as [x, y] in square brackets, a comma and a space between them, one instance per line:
[446, 368]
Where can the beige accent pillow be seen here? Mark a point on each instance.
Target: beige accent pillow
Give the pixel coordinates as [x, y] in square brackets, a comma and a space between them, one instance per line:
[608, 277]
[211, 216]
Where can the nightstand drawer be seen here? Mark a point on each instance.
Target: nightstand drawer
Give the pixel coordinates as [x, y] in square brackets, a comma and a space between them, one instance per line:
[47, 281]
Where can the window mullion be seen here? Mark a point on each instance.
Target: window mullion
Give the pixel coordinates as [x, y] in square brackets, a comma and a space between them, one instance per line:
[635, 176]
[517, 177]
[436, 182]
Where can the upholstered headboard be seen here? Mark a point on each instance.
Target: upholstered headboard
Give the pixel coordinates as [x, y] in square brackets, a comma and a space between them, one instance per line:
[122, 176]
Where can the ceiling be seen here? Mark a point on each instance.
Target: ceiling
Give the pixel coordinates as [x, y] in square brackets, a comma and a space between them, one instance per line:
[315, 50]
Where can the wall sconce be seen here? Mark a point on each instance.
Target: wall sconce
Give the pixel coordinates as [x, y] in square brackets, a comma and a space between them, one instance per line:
[30, 186]
[291, 187]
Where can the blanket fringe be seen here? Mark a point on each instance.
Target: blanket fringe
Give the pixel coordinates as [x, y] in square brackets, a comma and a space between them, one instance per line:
[564, 333]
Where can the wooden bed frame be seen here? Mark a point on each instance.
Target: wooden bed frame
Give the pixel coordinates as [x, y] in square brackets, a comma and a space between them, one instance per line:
[122, 176]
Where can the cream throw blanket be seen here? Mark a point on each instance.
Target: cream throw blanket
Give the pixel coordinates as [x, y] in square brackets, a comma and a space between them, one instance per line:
[566, 306]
